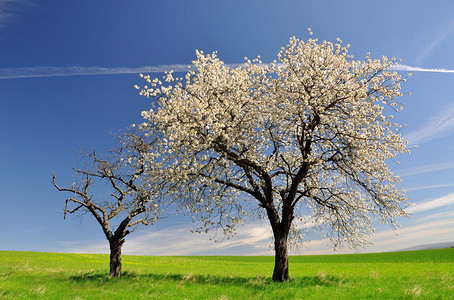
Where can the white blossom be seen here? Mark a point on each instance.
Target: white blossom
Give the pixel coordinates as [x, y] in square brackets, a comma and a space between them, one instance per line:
[307, 135]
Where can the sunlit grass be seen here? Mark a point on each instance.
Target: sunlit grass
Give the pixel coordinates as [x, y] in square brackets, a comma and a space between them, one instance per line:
[401, 275]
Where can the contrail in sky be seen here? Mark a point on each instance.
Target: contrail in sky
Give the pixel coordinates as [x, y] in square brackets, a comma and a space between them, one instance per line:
[418, 69]
[37, 72]
[84, 71]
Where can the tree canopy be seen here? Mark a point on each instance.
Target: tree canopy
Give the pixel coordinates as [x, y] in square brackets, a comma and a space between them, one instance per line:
[308, 138]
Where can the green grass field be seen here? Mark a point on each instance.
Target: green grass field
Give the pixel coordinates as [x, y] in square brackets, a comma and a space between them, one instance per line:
[400, 275]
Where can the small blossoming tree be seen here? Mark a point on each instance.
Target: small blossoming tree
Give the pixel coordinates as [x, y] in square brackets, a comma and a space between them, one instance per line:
[306, 138]
[133, 200]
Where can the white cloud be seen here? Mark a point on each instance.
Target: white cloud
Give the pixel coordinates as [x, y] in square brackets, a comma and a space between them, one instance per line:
[38, 72]
[101, 247]
[425, 187]
[436, 228]
[50, 71]
[31, 72]
[255, 239]
[417, 235]
[435, 203]
[252, 239]
[439, 125]
[426, 169]
[436, 217]
[400, 67]
[435, 42]
[9, 9]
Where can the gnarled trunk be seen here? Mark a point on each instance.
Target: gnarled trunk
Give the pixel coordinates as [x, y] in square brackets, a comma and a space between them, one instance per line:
[280, 273]
[115, 257]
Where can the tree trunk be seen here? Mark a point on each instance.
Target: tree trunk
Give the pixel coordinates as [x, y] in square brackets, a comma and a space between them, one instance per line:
[280, 273]
[115, 258]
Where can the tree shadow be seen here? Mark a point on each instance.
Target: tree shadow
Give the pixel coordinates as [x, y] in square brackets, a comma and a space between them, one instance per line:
[256, 282]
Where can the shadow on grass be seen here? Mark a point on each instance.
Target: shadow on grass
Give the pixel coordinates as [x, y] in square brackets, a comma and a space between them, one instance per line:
[259, 281]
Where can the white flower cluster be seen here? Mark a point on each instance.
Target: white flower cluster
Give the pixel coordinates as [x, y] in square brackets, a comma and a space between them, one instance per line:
[307, 133]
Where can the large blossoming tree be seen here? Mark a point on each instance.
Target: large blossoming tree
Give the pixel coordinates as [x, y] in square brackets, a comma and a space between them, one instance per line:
[307, 138]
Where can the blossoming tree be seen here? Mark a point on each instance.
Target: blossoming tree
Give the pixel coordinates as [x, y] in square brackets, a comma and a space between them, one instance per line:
[133, 200]
[306, 138]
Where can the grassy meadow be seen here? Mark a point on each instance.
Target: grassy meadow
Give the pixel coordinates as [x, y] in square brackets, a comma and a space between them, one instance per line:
[427, 274]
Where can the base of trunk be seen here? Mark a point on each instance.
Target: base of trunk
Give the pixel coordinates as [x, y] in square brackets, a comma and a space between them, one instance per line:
[281, 276]
[280, 273]
[115, 259]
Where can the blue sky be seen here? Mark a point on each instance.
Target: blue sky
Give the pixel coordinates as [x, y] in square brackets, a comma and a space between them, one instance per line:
[67, 71]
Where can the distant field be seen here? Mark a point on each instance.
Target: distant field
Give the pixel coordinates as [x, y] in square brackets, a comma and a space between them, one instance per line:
[425, 274]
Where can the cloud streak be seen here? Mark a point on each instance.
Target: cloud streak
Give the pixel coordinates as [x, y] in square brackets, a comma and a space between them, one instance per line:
[9, 9]
[436, 228]
[439, 125]
[50, 71]
[446, 200]
[38, 72]
[400, 67]
[255, 239]
[425, 187]
[426, 169]
[252, 239]
[435, 42]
